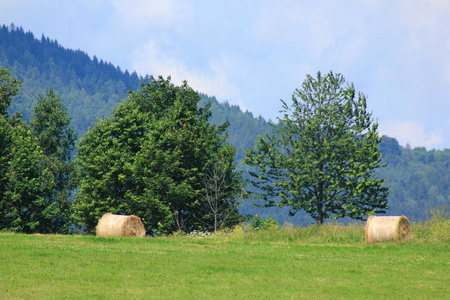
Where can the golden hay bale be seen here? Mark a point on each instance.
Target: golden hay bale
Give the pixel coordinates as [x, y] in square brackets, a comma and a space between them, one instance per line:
[387, 229]
[120, 225]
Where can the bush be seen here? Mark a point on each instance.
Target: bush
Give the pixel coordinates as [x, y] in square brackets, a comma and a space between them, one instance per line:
[260, 224]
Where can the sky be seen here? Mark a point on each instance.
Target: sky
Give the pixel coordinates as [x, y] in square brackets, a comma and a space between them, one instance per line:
[254, 53]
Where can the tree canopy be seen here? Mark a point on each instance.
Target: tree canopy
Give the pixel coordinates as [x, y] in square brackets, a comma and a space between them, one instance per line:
[22, 177]
[323, 153]
[50, 124]
[149, 159]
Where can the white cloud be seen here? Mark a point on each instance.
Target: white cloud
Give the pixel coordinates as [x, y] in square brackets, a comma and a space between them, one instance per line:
[412, 133]
[424, 13]
[213, 80]
[151, 13]
[295, 25]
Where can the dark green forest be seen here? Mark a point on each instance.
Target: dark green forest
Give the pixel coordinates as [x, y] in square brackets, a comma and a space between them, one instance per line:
[91, 88]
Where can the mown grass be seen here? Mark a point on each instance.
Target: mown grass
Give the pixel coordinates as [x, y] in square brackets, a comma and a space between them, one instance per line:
[330, 262]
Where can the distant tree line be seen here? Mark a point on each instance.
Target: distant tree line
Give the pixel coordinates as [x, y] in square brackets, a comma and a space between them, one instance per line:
[418, 179]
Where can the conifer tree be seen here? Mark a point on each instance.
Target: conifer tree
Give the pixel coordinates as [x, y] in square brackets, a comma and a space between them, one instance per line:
[22, 177]
[51, 125]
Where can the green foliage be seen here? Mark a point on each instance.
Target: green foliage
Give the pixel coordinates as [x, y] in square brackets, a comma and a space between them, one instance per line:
[244, 127]
[149, 159]
[260, 224]
[322, 156]
[34, 165]
[22, 203]
[22, 177]
[9, 87]
[418, 181]
[51, 125]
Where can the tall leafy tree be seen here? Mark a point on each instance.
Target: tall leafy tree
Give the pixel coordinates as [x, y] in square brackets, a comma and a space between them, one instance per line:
[51, 125]
[323, 153]
[148, 158]
[22, 177]
[9, 87]
[23, 207]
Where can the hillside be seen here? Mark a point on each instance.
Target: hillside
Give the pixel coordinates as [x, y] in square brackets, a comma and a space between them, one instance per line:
[91, 88]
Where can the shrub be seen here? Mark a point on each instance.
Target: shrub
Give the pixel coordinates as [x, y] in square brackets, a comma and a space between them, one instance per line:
[260, 224]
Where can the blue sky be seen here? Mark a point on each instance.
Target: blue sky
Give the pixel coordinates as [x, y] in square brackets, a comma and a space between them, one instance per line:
[254, 53]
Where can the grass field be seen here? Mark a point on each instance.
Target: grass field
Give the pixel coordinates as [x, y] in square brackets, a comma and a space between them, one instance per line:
[280, 263]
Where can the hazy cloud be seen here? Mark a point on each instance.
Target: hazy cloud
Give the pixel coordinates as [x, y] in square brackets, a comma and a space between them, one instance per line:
[213, 80]
[413, 134]
[151, 13]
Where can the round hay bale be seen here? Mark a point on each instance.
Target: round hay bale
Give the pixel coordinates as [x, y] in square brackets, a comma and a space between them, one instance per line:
[120, 225]
[387, 229]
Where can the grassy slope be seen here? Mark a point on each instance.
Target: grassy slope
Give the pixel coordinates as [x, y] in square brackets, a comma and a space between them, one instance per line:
[328, 262]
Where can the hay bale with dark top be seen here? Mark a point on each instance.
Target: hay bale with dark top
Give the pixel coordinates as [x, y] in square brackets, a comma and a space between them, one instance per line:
[387, 229]
[120, 225]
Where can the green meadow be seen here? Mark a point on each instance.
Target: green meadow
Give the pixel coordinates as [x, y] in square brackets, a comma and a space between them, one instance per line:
[327, 262]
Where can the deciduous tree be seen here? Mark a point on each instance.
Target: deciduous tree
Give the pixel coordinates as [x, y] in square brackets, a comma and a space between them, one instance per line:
[323, 153]
[148, 159]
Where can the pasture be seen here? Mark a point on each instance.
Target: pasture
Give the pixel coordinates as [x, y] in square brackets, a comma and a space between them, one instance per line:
[328, 262]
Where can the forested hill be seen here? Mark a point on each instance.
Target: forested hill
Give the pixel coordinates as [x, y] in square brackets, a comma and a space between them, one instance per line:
[91, 88]
[244, 127]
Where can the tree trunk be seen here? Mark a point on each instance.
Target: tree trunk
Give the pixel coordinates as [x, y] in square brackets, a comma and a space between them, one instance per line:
[215, 223]
[319, 205]
[319, 218]
[178, 221]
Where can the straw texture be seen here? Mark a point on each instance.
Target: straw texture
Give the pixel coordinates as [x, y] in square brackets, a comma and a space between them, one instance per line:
[387, 229]
[120, 225]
